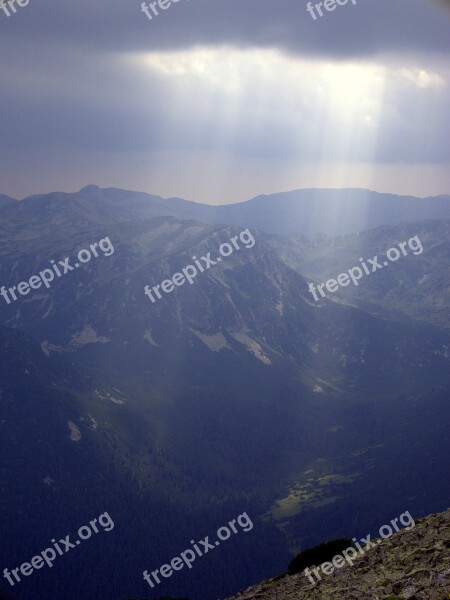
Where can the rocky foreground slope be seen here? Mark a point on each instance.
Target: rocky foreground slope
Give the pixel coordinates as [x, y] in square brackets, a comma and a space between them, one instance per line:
[412, 564]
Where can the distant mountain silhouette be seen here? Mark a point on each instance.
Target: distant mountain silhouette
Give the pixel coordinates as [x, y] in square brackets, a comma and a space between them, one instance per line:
[306, 211]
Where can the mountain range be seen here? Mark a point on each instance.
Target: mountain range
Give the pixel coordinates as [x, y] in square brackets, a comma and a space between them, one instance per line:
[236, 393]
[307, 211]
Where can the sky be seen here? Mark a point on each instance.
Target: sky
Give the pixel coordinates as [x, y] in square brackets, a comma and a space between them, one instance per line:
[218, 101]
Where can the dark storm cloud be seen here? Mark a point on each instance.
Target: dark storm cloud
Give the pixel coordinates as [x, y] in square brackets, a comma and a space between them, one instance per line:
[369, 27]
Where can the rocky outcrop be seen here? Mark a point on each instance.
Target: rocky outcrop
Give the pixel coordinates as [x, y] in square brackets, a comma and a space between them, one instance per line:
[412, 564]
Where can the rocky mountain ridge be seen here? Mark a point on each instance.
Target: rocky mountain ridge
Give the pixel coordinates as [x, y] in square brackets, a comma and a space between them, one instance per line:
[412, 564]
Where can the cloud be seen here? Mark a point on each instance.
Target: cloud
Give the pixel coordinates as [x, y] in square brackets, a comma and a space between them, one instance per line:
[230, 81]
[224, 99]
[422, 78]
[370, 27]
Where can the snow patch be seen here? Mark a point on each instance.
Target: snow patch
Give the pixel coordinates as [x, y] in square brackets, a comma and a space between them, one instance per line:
[75, 433]
[252, 346]
[215, 342]
[105, 395]
[280, 308]
[87, 335]
[148, 336]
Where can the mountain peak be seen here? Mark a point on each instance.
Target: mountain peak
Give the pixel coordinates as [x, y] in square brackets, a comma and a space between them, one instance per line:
[89, 188]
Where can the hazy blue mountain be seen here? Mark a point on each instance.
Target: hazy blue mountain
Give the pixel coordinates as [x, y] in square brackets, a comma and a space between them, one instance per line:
[416, 285]
[328, 211]
[47, 474]
[238, 392]
[4, 200]
[308, 211]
